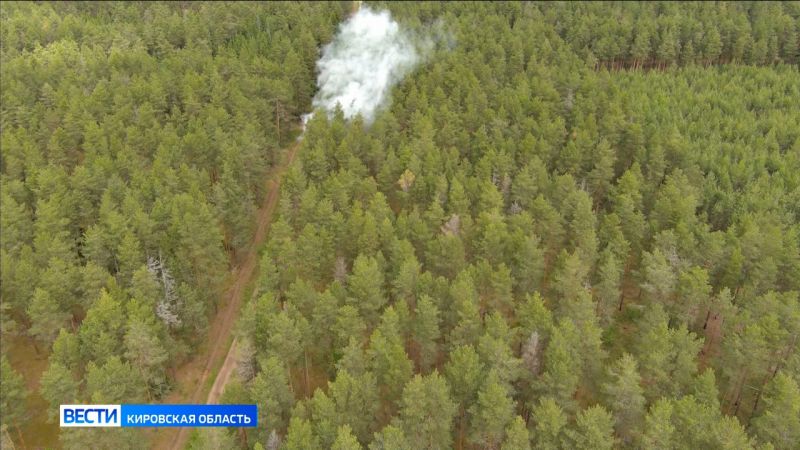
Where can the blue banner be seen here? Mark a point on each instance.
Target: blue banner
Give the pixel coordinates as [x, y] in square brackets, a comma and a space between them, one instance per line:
[189, 415]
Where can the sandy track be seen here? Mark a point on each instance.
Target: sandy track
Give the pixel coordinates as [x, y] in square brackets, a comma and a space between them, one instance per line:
[221, 326]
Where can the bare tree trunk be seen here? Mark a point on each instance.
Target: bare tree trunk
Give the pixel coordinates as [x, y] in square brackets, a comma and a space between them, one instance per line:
[149, 395]
[755, 404]
[768, 377]
[461, 431]
[278, 121]
[789, 349]
[737, 403]
[736, 294]
[739, 388]
[308, 387]
[19, 434]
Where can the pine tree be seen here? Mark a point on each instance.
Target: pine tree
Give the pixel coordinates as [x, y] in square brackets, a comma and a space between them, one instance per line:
[464, 373]
[666, 355]
[426, 332]
[115, 381]
[569, 278]
[705, 389]
[390, 438]
[212, 438]
[561, 373]
[608, 288]
[66, 350]
[130, 256]
[495, 350]
[345, 440]
[467, 318]
[13, 394]
[349, 325]
[779, 421]
[285, 338]
[405, 283]
[145, 352]
[387, 357]
[516, 436]
[271, 392]
[427, 412]
[365, 286]
[491, 414]
[549, 424]
[713, 45]
[46, 316]
[668, 47]
[324, 417]
[693, 295]
[660, 279]
[357, 402]
[626, 397]
[300, 436]
[594, 429]
[533, 316]
[659, 432]
[102, 330]
[527, 265]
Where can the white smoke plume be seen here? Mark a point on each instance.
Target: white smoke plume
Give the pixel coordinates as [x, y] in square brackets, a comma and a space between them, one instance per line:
[369, 55]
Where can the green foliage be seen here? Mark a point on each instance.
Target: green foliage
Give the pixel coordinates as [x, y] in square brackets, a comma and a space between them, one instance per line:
[212, 438]
[593, 429]
[464, 372]
[356, 402]
[300, 436]
[366, 288]
[561, 367]
[625, 396]
[517, 437]
[58, 387]
[135, 143]
[568, 211]
[12, 399]
[426, 332]
[659, 431]
[778, 423]
[345, 440]
[492, 412]
[427, 412]
[270, 390]
[549, 424]
[390, 438]
[46, 316]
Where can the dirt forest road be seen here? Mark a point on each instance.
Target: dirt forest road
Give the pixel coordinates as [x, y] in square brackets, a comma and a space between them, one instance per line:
[192, 377]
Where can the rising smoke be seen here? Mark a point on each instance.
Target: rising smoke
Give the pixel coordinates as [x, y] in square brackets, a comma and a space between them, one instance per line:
[369, 55]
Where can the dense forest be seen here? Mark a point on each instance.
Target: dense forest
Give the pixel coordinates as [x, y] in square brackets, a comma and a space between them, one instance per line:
[576, 226]
[135, 142]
